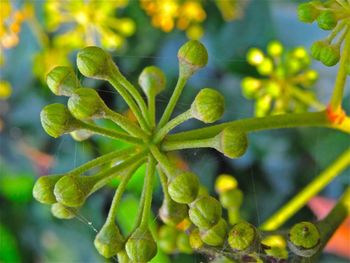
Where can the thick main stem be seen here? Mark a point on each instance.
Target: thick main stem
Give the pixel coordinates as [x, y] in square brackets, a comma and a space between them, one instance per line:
[310, 119]
[320, 182]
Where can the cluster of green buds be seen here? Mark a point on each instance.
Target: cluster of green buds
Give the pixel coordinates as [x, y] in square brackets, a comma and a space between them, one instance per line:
[145, 141]
[284, 82]
[330, 15]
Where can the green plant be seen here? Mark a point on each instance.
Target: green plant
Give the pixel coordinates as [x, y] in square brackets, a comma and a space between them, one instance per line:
[149, 142]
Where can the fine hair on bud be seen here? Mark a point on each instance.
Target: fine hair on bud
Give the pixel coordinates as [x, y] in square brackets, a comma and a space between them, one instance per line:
[57, 120]
[183, 188]
[109, 240]
[152, 80]
[208, 106]
[192, 56]
[43, 189]
[205, 212]
[62, 81]
[141, 246]
[86, 104]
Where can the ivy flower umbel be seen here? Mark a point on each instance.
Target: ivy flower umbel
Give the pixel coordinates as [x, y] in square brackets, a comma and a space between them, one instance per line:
[330, 15]
[285, 80]
[67, 192]
[89, 22]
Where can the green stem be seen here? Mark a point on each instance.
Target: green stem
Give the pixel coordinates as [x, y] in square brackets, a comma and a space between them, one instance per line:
[173, 100]
[340, 81]
[110, 133]
[129, 100]
[148, 188]
[119, 193]
[125, 124]
[136, 95]
[163, 182]
[105, 176]
[335, 31]
[307, 98]
[163, 161]
[151, 101]
[189, 144]
[321, 181]
[331, 222]
[171, 125]
[316, 119]
[116, 156]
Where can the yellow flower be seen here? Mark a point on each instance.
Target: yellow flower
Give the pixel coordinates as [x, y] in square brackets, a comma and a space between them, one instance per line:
[231, 9]
[11, 20]
[285, 80]
[91, 22]
[184, 15]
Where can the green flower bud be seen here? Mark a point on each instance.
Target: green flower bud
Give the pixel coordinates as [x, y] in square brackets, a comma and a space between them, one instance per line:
[243, 237]
[172, 213]
[304, 239]
[57, 120]
[308, 12]
[231, 199]
[183, 243]
[317, 48]
[215, 236]
[62, 212]
[152, 80]
[330, 55]
[250, 86]
[232, 143]
[43, 189]
[311, 77]
[183, 188]
[265, 68]
[327, 20]
[94, 62]
[275, 48]
[62, 81]
[192, 56]
[208, 106]
[109, 241]
[205, 212]
[81, 135]
[167, 238]
[123, 257]
[86, 104]
[73, 190]
[141, 246]
[255, 56]
[195, 239]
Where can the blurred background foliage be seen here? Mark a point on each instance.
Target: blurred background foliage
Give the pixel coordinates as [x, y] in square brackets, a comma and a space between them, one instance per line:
[38, 35]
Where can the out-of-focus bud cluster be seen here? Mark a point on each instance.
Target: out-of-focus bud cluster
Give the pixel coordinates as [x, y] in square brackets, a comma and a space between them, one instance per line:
[330, 15]
[284, 81]
[90, 22]
[188, 15]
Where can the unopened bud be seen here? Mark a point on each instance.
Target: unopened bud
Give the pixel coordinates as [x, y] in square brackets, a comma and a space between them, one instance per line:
[62, 81]
[43, 189]
[152, 80]
[330, 55]
[208, 106]
[232, 142]
[57, 120]
[304, 239]
[63, 212]
[205, 212]
[183, 188]
[327, 20]
[192, 56]
[308, 12]
[167, 236]
[215, 236]
[316, 49]
[141, 246]
[225, 182]
[172, 213]
[108, 240]
[231, 199]
[243, 237]
[195, 239]
[183, 243]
